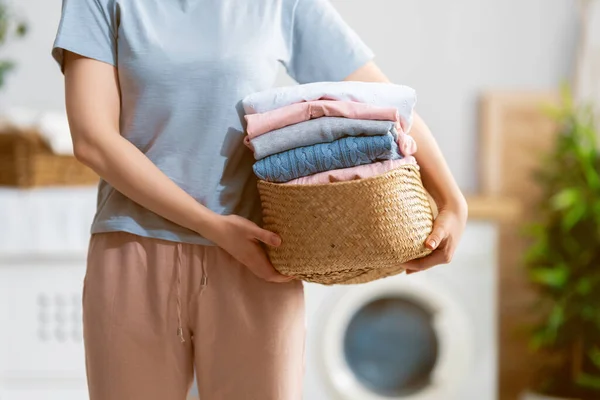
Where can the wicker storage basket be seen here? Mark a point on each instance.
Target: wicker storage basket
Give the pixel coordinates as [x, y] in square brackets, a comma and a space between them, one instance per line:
[348, 232]
[27, 161]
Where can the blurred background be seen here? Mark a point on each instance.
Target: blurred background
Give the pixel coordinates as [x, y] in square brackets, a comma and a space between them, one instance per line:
[508, 87]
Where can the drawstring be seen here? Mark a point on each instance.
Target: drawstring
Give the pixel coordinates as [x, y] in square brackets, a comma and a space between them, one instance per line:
[204, 279]
[203, 285]
[179, 324]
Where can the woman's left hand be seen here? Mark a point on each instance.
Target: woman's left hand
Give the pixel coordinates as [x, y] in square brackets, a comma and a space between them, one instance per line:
[448, 227]
[437, 179]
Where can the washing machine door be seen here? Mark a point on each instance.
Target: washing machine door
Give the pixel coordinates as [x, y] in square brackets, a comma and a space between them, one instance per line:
[399, 338]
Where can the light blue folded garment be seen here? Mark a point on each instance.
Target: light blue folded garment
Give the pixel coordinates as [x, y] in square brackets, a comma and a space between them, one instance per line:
[342, 153]
[319, 130]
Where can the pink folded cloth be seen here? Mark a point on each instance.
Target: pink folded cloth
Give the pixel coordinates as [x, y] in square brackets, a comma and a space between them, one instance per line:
[406, 144]
[349, 174]
[299, 112]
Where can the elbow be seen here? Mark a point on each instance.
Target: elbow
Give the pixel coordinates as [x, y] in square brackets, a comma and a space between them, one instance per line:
[85, 151]
[462, 206]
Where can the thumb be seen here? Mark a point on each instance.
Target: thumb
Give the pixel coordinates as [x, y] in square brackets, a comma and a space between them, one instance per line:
[267, 237]
[435, 237]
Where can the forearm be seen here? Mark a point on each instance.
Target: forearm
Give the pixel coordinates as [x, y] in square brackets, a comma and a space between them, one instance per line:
[94, 122]
[130, 172]
[436, 175]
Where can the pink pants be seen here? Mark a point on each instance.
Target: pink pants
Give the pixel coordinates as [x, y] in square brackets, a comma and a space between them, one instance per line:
[154, 310]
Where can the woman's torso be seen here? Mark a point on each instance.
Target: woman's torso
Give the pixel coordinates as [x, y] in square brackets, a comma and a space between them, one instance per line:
[183, 68]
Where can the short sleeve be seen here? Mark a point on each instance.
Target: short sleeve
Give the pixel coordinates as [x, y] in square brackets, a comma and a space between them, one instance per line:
[87, 28]
[322, 47]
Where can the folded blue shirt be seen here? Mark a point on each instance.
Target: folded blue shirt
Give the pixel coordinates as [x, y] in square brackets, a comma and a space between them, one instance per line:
[342, 153]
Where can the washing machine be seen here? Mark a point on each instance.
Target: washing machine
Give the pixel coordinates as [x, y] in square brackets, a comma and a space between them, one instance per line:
[425, 336]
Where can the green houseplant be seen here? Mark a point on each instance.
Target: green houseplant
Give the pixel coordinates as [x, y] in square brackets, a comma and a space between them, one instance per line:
[563, 261]
[10, 28]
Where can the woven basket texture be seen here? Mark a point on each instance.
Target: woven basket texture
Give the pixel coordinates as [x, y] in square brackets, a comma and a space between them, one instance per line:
[27, 161]
[348, 232]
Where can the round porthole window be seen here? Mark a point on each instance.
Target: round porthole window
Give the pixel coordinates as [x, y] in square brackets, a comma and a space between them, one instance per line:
[391, 346]
[395, 339]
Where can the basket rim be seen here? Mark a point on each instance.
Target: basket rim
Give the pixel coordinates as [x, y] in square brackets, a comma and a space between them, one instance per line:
[351, 182]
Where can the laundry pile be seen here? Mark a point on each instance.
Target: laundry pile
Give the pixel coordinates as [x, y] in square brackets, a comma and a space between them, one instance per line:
[329, 131]
[314, 144]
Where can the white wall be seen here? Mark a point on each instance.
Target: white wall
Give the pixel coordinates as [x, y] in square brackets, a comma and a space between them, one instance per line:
[448, 50]
[37, 82]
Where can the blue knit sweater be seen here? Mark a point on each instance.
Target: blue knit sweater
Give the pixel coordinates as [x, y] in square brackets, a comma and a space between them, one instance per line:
[342, 153]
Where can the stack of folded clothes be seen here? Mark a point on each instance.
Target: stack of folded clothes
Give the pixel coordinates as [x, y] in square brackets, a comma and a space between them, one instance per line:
[329, 131]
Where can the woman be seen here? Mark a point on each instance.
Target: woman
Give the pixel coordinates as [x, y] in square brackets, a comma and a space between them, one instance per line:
[176, 275]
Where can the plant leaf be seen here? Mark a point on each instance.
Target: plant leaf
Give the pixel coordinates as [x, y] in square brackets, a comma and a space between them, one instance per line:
[4, 23]
[552, 110]
[555, 277]
[539, 339]
[556, 318]
[536, 230]
[573, 216]
[589, 313]
[588, 381]
[5, 67]
[546, 334]
[584, 286]
[566, 198]
[567, 98]
[564, 253]
[22, 29]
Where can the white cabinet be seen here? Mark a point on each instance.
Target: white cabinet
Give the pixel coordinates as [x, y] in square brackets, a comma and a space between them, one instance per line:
[43, 240]
[45, 221]
[41, 340]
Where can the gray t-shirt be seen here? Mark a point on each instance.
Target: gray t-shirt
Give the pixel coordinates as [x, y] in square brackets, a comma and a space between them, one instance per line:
[184, 67]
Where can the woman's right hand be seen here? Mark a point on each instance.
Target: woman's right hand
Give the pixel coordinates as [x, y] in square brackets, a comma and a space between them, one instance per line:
[241, 238]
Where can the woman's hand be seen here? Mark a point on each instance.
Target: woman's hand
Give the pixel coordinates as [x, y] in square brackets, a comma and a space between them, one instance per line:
[437, 179]
[447, 230]
[242, 239]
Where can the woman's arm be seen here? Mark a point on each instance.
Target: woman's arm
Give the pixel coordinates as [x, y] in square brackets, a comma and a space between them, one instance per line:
[437, 179]
[93, 107]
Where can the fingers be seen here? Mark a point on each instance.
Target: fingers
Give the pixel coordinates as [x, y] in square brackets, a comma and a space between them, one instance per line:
[266, 271]
[259, 264]
[435, 258]
[440, 241]
[440, 256]
[267, 237]
[242, 239]
[251, 230]
[438, 234]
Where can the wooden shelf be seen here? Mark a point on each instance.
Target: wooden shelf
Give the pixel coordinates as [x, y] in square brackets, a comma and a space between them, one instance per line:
[501, 209]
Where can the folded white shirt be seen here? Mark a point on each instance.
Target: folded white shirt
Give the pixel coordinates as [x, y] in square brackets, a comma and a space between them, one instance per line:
[380, 94]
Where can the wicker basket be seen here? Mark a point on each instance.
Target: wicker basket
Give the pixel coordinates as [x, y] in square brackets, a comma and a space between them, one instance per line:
[27, 161]
[348, 232]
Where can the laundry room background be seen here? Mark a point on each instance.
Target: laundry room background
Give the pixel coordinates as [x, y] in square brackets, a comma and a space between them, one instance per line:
[455, 332]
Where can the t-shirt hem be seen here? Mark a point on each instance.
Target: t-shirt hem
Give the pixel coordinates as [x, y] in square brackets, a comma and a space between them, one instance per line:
[122, 226]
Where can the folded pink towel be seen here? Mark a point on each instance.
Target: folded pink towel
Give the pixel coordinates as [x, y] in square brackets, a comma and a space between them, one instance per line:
[259, 124]
[349, 174]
